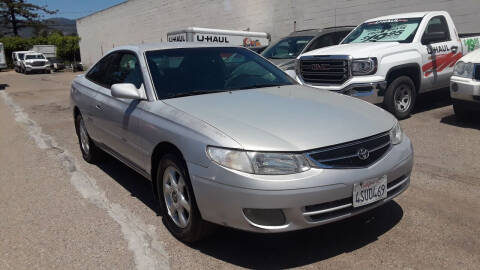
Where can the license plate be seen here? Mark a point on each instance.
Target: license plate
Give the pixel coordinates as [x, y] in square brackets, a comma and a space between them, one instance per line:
[369, 191]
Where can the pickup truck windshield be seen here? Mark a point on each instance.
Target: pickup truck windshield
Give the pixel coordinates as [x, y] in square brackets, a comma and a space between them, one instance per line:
[34, 56]
[198, 71]
[287, 48]
[392, 30]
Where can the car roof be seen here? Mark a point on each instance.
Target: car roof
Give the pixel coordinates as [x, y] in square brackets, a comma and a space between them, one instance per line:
[169, 45]
[320, 31]
[23, 51]
[402, 16]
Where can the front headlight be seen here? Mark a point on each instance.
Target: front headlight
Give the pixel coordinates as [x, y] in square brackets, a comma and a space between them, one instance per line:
[463, 69]
[259, 162]
[396, 134]
[366, 66]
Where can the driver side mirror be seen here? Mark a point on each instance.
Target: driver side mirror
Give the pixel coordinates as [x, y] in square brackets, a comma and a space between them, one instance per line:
[433, 37]
[128, 91]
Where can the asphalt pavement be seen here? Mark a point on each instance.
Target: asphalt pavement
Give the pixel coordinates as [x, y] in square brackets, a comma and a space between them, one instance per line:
[59, 212]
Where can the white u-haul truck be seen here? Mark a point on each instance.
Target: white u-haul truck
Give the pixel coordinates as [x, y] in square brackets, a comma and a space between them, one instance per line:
[3, 60]
[253, 40]
[390, 60]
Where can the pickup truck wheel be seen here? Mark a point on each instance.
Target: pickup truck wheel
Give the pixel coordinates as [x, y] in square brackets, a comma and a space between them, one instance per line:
[90, 152]
[460, 112]
[400, 97]
[177, 202]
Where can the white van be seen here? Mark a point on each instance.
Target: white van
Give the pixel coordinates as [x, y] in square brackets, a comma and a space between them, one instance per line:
[219, 36]
[17, 58]
[3, 60]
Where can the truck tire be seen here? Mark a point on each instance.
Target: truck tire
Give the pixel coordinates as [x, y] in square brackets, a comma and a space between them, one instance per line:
[177, 201]
[90, 152]
[460, 112]
[400, 97]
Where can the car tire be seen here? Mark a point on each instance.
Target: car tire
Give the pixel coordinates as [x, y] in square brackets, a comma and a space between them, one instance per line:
[177, 201]
[400, 97]
[90, 152]
[460, 112]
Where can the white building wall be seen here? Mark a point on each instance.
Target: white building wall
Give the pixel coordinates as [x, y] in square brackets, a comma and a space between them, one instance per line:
[146, 21]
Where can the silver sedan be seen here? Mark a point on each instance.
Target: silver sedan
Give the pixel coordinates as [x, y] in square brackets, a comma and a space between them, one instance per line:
[228, 138]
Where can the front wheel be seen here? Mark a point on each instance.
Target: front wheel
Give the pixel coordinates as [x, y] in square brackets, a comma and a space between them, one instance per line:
[177, 202]
[400, 97]
[90, 152]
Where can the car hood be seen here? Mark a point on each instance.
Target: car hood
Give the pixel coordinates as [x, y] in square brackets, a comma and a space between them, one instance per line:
[356, 50]
[287, 118]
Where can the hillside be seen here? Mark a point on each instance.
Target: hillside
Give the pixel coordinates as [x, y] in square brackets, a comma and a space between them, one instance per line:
[66, 26]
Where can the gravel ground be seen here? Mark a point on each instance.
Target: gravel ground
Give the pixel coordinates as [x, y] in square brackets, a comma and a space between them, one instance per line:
[59, 212]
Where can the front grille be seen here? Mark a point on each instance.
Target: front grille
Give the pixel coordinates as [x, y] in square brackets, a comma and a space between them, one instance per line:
[476, 74]
[352, 154]
[38, 63]
[324, 71]
[344, 207]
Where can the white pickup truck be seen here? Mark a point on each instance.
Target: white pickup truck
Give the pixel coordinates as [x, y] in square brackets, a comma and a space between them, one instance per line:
[390, 60]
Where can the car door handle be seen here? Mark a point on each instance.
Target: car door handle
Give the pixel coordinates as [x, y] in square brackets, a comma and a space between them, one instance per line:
[99, 107]
[454, 49]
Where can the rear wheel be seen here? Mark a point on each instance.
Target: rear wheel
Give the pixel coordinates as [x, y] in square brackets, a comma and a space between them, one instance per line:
[177, 202]
[90, 152]
[400, 97]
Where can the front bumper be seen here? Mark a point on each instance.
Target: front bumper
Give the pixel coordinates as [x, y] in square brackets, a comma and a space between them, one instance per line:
[309, 199]
[465, 89]
[369, 88]
[37, 68]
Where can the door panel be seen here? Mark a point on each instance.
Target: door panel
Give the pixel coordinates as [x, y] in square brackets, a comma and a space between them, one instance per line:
[118, 118]
[439, 57]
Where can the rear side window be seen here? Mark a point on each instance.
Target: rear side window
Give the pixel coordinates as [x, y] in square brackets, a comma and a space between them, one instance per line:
[98, 73]
[125, 69]
[324, 41]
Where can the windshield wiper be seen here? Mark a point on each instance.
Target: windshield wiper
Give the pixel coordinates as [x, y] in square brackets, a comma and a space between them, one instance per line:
[197, 92]
[258, 86]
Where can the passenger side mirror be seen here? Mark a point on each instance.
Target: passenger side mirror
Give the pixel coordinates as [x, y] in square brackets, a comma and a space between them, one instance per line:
[128, 91]
[433, 37]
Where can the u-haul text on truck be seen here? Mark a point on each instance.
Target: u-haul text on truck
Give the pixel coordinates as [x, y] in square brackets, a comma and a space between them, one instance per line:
[219, 36]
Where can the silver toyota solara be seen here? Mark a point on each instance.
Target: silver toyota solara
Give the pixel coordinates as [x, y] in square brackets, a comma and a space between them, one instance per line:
[228, 138]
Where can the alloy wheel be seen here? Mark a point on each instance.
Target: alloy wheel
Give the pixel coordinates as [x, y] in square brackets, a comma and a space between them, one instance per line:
[177, 197]
[84, 140]
[403, 98]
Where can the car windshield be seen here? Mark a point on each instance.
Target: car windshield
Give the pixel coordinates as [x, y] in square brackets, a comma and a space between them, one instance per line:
[287, 48]
[34, 56]
[393, 30]
[196, 71]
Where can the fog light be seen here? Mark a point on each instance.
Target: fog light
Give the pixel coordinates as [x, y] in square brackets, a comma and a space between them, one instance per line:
[454, 87]
[265, 217]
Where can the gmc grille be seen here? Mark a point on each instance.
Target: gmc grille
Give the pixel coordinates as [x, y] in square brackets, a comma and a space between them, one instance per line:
[324, 71]
[357, 154]
[38, 63]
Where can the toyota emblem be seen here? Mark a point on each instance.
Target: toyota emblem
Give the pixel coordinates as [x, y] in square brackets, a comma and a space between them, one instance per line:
[363, 153]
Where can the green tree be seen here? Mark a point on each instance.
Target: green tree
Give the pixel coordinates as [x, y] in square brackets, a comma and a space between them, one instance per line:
[18, 14]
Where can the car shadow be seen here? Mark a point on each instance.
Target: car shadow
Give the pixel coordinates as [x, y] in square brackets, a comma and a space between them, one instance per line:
[473, 123]
[3, 86]
[282, 250]
[432, 100]
[295, 249]
[138, 186]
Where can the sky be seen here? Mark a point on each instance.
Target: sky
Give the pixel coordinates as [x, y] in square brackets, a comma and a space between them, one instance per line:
[73, 9]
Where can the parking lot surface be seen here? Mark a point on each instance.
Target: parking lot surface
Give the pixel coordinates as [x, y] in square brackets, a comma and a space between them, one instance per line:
[58, 211]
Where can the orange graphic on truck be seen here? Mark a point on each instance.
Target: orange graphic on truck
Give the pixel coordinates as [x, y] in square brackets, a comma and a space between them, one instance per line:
[441, 62]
